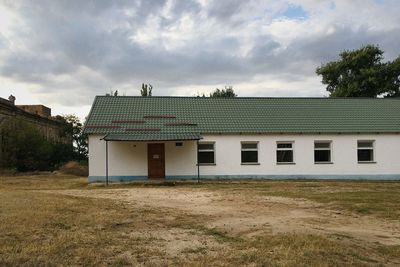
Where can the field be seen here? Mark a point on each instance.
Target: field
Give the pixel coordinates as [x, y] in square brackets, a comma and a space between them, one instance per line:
[49, 220]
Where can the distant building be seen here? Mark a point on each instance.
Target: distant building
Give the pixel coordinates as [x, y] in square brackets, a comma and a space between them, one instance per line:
[38, 116]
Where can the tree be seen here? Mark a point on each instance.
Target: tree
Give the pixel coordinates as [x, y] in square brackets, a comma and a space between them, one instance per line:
[32, 150]
[227, 92]
[75, 128]
[361, 73]
[146, 90]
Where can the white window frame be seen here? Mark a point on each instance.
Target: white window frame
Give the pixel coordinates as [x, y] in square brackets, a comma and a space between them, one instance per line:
[249, 149]
[323, 149]
[371, 147]
[285, 149]
[207, 150]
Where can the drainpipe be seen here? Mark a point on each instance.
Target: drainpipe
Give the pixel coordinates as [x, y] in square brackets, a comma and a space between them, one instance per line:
[198, 165]
[106, 163]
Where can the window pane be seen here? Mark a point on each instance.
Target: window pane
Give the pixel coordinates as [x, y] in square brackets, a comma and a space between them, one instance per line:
[322, 144]
[249, 157]
[249, 145]
[365, 143]
[206, 157]
[206, 146]
[284, 156]
[284, 145]
[322, 155]
[365, 155]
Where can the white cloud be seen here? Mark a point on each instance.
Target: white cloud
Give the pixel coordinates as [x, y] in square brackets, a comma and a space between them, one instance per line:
[63, 53]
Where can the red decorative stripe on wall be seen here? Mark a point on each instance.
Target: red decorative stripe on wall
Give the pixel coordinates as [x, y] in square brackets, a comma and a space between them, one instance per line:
[128, 121]
[103, 126]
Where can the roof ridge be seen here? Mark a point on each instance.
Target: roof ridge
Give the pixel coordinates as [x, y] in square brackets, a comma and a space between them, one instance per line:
[255, 97]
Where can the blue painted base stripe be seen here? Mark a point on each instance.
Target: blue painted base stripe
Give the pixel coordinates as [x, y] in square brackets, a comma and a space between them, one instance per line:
[93, 179]
[305, 177]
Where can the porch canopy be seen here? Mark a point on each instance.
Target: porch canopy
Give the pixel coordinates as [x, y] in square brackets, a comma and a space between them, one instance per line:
[153, 136]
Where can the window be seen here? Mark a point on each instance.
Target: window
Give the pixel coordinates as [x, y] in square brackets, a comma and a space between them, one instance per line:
[249, 152]
[365, 151]
[284, 152]
[206, 153]
[322, 152]
[179, 144]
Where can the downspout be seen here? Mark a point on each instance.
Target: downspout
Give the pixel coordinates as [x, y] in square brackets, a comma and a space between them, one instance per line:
[106, 162]
[198, 165]
[104, 138]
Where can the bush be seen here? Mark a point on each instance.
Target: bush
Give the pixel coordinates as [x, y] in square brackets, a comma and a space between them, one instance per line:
[35, 153]
[74, 168]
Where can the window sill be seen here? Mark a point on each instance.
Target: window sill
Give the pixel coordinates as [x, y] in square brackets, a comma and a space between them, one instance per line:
[323, 163]
[285, 163]
[366, 162]
[206, 164]
[249, 163]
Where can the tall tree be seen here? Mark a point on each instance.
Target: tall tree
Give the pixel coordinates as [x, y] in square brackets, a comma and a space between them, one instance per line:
[75, 127]
[227, 92]
[361, 73]
[146, 90]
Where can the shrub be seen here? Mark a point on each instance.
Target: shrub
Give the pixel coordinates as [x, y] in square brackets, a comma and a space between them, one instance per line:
[74, 168]
[26, 149]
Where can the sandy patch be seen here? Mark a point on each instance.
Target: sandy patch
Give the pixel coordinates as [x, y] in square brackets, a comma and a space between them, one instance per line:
[250, 215]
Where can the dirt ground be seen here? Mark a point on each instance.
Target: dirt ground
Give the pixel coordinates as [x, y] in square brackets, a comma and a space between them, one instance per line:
[49, 220]
[246, 214]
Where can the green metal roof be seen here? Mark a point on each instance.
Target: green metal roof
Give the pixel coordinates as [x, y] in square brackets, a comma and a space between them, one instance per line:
[154, 117]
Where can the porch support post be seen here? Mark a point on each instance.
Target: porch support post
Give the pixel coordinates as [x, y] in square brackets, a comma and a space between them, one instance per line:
[198, 165]
[106, 163]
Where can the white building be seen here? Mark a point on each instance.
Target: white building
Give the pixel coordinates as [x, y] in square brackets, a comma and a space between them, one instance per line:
[194, 137]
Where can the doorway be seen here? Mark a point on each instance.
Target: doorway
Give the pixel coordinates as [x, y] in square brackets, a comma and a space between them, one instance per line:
[156, 161]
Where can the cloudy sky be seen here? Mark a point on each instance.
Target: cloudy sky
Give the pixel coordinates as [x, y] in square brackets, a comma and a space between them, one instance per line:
[63, 53]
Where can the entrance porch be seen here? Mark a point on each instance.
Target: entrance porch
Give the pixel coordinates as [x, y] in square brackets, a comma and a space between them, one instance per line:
[128, 160]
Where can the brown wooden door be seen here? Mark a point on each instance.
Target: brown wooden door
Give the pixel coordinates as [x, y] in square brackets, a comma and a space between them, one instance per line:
[156, 160]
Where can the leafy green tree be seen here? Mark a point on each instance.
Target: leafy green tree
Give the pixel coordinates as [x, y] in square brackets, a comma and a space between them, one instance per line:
[361, 73]
[227, 92]
[7, 144]
[33, 152]
[75, 129]
[146, 90]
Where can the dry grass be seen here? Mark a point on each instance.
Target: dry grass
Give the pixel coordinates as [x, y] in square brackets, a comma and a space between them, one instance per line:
[42, 226]
[379, 198]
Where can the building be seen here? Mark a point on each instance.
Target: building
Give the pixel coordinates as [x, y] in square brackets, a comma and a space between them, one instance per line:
[39, 116]
[189, 137]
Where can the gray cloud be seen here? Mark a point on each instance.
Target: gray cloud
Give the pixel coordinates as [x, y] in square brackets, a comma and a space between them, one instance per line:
[87, 47]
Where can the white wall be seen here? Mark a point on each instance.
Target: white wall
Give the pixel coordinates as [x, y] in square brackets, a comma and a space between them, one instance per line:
[344, 155]
[181, 160]
[130, 158]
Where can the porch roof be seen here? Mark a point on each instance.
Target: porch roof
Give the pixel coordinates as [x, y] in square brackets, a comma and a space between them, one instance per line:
[157, 136]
